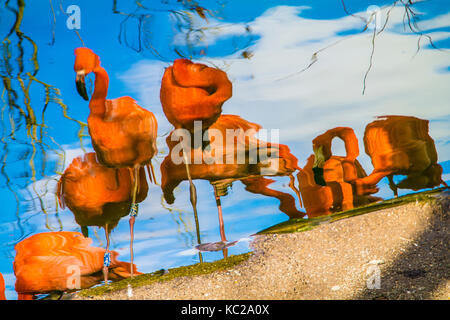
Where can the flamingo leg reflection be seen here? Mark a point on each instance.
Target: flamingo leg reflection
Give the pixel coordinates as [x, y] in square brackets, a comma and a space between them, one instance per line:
[85, 231]
[107, 257]
[293, 187]
[193, 199]
[221, 224]
[392, 185]
[133, 214]
[153, 174]
[219, 210]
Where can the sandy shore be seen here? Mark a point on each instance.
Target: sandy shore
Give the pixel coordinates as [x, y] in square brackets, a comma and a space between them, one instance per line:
[396, 253]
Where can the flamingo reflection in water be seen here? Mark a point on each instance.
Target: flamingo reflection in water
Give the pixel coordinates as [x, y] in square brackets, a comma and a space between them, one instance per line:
[192, 92]
[62, 261]
[123, 134]
[2, 288]
[98, 195]
[221, 168]
[401, 145]
[327, 181]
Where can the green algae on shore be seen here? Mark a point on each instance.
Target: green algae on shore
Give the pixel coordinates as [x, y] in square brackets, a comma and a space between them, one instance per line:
[166, 275]
[301, 225]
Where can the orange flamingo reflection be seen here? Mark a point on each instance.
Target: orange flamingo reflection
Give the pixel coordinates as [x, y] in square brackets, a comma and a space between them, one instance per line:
[192, 92]
[222, 172]
[123, 134]
[322, 152]
[2, 288]
[260, 185]
[62, 261]
[326, 181]
[98, 195]
[401, 145]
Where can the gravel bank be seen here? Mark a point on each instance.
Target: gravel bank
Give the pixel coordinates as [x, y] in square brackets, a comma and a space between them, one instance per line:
[407, 246]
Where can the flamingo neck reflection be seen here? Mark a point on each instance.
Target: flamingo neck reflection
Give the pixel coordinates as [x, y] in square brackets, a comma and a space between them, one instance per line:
[97, 103]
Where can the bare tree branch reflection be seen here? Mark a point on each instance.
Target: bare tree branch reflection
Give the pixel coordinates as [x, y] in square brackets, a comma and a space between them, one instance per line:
[410, 19]
[138, 27]
[24, 126]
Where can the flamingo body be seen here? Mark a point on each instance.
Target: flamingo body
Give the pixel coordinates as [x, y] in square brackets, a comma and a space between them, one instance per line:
[193, 92]
[123, 133]
[50, 261]
[225, 173]
[98, 195]
[339, 174]
[337, 194]
[401, 145]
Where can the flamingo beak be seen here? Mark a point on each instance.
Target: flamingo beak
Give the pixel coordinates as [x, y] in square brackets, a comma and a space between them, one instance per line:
[319, 161]
[81, 85]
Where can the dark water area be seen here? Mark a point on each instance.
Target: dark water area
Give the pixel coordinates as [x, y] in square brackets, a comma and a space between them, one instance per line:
[331, 105]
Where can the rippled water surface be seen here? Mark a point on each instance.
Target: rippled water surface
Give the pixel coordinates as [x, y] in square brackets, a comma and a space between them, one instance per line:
[299, 67]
